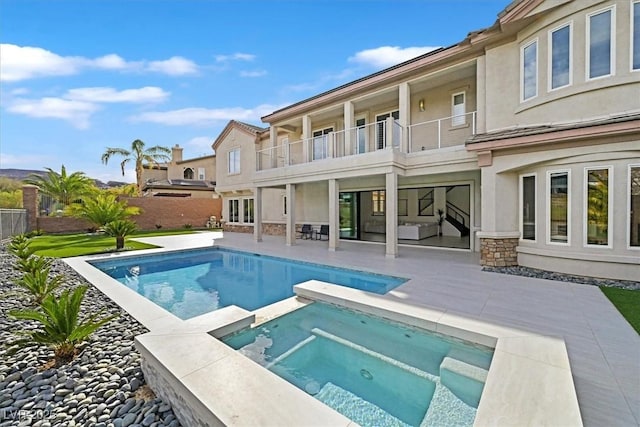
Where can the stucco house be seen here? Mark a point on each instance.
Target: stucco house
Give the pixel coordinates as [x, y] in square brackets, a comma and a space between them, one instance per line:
[524, 137]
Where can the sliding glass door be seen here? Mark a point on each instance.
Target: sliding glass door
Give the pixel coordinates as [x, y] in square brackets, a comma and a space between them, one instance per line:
[349, 215]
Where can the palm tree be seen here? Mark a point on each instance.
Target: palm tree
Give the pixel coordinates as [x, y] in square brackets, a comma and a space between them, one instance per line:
[140, 156]
[103, 209]
[62, 187]
[120, 229]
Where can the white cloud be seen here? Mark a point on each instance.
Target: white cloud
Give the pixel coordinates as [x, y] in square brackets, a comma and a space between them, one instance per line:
[20, 91]
[26, 62]
[235, 57]
[204, 116]
[386, 56]
[75, 112]
[108, 94]
[26, 161]
[174, 66]
[254, 73]
[201, 143]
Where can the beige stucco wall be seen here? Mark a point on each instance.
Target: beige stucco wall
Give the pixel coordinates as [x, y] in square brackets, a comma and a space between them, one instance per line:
[154, 174]
[582, 99]
[176, 170]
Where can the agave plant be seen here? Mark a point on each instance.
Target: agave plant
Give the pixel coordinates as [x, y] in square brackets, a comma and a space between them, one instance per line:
[120, 229]
[19, 246]
[62, 328]
[39, 284]
[33, 263]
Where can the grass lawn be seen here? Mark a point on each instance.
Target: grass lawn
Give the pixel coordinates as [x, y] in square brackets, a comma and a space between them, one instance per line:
[68, 245]
[627, 302]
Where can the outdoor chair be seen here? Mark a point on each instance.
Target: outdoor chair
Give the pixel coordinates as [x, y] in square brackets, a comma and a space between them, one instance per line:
[306, 232]
[324, 231]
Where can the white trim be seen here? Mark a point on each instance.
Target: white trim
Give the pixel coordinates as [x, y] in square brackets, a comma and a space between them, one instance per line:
[550, 56]
[326, 140]
[548, 207]
[585, 207]
[458, 117]
[521, 206]
[522, 74]
[612, 59]
[243, 220]
[628, 218]
[235, 172]
[632, 29]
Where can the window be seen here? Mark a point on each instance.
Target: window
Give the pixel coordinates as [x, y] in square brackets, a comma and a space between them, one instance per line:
[528, 207]
[558, 207]
[560, 61]
[361, 136]
[233, 161]
[201, 175]
[600, 49]
[635, 36]
[381, 130]
[378, 202]
[187, 173]
[597, 209]
[634, 206]
[529, 66]
[234, 211]
[320, 143]
[458, 109]
[248, 210]
[284, 205]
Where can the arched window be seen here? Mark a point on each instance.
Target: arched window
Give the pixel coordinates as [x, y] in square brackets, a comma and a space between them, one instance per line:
[188, 173]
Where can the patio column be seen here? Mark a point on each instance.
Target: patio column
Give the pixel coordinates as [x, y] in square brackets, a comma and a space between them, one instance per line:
[349, 124]
[334, 220]
[404, 108]
[391, 214]
[257, 215]
[290, 194]
[306, 136]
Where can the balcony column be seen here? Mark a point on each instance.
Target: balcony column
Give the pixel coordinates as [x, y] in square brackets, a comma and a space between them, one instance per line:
[334, 219]
[273, 143]
[404, 108]
[306, 137]
[257, 215]
[391, 214]
[389, 123]
[481, 95]
[291, 214]
[349, 124]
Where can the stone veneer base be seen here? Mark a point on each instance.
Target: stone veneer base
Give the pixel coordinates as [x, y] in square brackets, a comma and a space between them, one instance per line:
[498, 252]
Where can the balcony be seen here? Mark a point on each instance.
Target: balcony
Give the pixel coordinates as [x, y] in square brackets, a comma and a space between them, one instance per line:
[358, 141]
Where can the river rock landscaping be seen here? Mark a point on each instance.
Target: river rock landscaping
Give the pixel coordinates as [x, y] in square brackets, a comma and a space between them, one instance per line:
[102, 387]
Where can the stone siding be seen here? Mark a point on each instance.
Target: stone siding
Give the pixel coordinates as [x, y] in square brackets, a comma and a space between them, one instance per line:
[498, 252]
[272, 229]
[238, 228]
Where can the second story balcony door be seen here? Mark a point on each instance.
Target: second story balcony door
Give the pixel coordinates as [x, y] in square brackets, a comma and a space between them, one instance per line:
[381, 130]
[321, 143]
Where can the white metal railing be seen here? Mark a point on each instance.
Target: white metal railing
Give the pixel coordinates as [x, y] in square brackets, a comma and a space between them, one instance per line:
[433, 134]
[439, 133]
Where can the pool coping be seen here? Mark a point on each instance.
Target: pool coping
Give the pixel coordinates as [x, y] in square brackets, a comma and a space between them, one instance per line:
[529, 380]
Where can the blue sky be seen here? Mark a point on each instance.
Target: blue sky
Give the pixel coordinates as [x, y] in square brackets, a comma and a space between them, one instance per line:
[78, 76]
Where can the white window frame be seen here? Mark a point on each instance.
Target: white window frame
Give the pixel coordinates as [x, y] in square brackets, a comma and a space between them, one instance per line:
[521, 206]
[550, 54]
[201, 174]
[231, 170]
[459, 119]
[522, 74]
[612, 59]
[325, 137]
[184, 172]
[628, 217]
[548, 207]
[229, 211]
[633, 29]
[244, 219]
[389, 113]
[585, 207]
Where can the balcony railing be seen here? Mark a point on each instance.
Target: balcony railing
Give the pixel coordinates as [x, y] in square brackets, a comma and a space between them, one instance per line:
[388, 134]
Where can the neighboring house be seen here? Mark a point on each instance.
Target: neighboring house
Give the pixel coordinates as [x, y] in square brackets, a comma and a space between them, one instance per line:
[181, 178]
[525, 135]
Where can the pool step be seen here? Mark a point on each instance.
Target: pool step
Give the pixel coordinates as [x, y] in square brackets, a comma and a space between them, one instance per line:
[446, 409]
[463, 379]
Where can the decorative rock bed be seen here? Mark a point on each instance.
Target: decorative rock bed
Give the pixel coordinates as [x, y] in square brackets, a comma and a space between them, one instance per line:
[102, 387]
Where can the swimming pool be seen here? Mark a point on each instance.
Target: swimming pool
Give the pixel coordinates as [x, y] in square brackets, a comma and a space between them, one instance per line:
[190, 283]
[373, 371]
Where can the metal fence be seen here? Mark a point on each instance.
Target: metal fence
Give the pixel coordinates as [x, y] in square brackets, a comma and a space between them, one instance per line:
[12, 222]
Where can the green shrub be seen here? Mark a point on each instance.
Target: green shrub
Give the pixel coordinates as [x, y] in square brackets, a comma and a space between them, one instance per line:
[19, 246]
[61, 327]
[187, 226]
[39, 284]
[33, 263]
[120, 229]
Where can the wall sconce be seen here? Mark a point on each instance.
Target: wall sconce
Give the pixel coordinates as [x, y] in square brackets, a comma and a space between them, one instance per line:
[421, 104]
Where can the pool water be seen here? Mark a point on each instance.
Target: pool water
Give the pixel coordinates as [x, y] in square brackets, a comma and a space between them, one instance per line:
[375, 372]
[190, 283]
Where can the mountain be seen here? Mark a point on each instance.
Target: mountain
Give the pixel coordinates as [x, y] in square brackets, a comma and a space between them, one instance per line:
[22, 174]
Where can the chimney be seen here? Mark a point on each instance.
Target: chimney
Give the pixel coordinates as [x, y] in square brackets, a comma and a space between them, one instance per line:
[176, 154]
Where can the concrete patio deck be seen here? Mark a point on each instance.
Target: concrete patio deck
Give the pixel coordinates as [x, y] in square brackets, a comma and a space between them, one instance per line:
[603, 349]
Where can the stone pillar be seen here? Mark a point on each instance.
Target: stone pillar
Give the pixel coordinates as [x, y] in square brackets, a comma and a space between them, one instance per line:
[306, 137]
[291, 214]
[257, 215]
[349, 124]
[404, 109]
[391, 214]
[334, 214]
[30, 204]
[498, 249]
